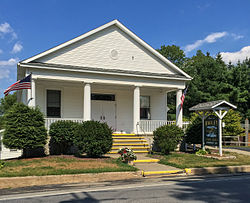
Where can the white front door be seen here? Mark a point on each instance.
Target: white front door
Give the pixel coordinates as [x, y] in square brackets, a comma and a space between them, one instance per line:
[104, 111]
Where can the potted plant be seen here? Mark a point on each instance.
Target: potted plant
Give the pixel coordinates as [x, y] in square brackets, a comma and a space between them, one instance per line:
[127, 155]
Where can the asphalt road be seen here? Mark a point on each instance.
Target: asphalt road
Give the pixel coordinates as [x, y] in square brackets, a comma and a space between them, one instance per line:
[195, 189]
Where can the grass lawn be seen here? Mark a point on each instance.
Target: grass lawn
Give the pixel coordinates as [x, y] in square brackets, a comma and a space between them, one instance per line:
[58, 165]
[187, 160]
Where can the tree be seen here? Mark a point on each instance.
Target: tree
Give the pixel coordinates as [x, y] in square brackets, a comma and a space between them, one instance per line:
[173, 53]
[210, 80]
[5, 104]
[24, 128]
[177, 56]
[240, 81]
[194, 130]
[232, 124]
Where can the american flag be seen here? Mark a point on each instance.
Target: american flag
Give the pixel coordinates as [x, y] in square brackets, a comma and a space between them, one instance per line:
[19, 85]
[183, 96]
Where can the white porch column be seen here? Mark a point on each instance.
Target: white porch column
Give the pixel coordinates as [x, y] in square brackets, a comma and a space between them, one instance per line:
[178, 109]
[24, 96]
[136, 108]
[87, 102]
[166, 103]
[31, 100]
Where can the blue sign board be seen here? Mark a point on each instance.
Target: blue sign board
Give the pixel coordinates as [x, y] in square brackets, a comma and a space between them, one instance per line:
[211, 131]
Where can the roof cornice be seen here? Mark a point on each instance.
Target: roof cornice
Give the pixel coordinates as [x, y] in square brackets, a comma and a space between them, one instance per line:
[103, 71]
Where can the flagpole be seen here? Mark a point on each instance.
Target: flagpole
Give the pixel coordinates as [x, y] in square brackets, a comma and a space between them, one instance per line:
[30, 86]
[29, 91]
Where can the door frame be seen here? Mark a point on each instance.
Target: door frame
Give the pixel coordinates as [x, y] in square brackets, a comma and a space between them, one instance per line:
[113, 102]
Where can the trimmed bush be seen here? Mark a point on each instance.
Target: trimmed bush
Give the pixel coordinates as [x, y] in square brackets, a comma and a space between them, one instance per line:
[24, 128]
[5, 104]
[167, 137]
[62, 134]
[93, 138]
[194, 131]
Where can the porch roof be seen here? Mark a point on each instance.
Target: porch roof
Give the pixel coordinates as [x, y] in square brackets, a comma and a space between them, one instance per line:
[207, 106]
[105, 71]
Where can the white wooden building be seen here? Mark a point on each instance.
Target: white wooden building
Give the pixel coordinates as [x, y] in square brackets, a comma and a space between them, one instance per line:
[6, 153]
[108, 74]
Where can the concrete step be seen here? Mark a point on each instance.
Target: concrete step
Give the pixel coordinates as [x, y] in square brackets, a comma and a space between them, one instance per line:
[130, 144]
[135, 142]
[146, 161]
[133, 148]
[170, 172]
[125, 134]
[125, 140]
[128, 137]
[115, 149]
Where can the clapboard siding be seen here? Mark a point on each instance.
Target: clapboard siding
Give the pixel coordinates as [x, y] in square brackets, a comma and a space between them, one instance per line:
[6, 153]
[94, 51]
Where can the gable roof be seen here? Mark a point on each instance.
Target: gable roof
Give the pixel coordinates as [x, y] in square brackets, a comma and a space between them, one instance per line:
[212, 105]
[124, 29]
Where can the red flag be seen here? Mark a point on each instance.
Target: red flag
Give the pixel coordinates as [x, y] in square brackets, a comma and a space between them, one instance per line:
[183, 96]
[19, 85]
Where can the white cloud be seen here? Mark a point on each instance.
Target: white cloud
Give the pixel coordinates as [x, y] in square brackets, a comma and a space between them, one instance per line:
[236, 37]
[234, 57]
[17, 48]
[208, 39]
[4, 73]
[10, 62]
[7, 67]
[214, 36]
[5, 28]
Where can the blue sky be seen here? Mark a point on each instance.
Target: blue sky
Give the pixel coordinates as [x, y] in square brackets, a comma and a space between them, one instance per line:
[30, 27]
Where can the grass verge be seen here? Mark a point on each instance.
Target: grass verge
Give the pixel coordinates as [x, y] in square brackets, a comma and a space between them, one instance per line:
[186, 160]
[60, 165]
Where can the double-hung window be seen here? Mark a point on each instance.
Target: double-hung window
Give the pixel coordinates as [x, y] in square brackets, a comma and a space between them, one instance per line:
[54, 103]
[145, 107]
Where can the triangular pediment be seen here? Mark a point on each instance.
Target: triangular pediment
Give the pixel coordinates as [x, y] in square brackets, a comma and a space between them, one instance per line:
[111, 46]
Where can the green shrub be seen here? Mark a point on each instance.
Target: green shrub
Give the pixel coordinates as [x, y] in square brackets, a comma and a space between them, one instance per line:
[62, 134]
[201, 152]
[2, 163]
[232, 124]
[194, 131]
[93, 138]
[166, 138]
[24, 128]
[5, 104]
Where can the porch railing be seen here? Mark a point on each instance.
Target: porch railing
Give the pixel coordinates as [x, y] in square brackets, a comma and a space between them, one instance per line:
[49, 121]
[148, 126]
